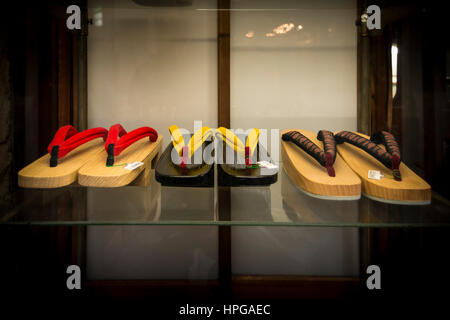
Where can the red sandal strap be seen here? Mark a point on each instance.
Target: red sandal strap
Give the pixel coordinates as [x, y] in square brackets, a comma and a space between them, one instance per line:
[184, 157]
[118, 140]
[68, 138]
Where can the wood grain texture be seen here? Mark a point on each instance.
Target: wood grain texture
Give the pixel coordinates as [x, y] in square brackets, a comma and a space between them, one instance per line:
[411, 190]
[39, 174]
[310, 176]
[95, 173]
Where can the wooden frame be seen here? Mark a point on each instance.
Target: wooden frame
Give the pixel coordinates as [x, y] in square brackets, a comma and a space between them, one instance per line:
[223, 113]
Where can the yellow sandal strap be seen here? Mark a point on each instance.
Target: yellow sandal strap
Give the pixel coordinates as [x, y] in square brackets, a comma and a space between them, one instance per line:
[177, 138]
[234, 142]
[231, 139]
[196, 141]
[199, 137]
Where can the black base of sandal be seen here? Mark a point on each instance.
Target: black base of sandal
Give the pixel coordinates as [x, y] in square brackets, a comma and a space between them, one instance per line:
[236, 175]
[172, 175]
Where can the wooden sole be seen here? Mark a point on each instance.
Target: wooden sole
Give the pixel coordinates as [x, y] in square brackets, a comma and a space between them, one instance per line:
[95, 173]
[312, 178]
[411, 190]
[39, 174]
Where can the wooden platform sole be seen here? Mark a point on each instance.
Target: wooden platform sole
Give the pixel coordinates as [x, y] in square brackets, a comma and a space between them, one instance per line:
[312, 178]
[411, 190]
[95, 173]
[39, 174]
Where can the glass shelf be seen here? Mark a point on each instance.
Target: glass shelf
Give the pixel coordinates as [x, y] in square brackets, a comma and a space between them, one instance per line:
[281, 204]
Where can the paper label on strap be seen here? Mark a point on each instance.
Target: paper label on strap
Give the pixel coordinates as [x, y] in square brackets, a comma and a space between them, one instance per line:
[133, 165]
[375, 175]
[267, 165]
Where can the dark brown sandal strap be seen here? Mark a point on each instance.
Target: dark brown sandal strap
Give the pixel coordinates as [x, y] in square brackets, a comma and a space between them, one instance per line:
[326, 159]
[390, 157]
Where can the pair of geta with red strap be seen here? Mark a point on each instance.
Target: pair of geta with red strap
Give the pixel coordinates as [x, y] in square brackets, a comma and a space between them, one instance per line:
[117, 139]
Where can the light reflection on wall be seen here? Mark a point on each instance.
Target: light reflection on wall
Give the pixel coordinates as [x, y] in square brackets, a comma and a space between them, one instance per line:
[283, 28]
[98, 17]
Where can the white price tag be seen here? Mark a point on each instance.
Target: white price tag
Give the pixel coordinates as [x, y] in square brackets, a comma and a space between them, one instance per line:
[133, 165]
[375, 175]
[267, 165]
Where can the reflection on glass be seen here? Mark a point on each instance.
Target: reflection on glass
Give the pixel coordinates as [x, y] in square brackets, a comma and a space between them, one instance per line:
[394, 54]
[131, 203]
[181, 204]
[251, 204]
[143, 252]
[301, 207]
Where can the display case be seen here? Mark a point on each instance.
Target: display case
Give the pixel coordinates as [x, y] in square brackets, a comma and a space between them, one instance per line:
[270, 229]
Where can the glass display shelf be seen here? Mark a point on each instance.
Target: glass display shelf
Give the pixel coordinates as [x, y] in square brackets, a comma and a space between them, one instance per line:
[281, 204]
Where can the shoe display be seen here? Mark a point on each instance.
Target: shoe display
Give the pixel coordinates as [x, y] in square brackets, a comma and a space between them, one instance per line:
[221, 159]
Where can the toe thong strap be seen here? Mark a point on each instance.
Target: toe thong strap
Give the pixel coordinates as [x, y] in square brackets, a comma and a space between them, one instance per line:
[186, 151]
[329, 147]
[238, 146]
[390, 157]
[118, 140]
[68, 138]
[325, 157]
